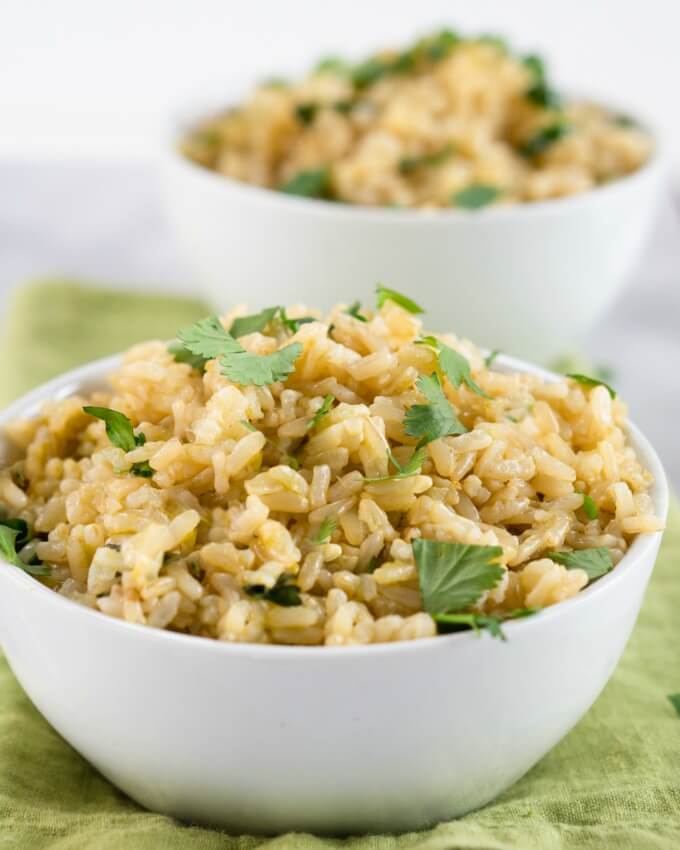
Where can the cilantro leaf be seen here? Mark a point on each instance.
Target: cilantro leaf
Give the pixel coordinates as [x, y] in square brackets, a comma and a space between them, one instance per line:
[411, 467]
[544, 138]
[589, 507]
[409, 164]
[476, 621]
[490, 358]
[674, 700]
[143, 469]
[542, 95]
[306, 112]
[183, 355]
[384, 294]
[248, 369]
[251, 324]
[9, 535]
[453, 365]
[476, 196]
[453, 576]
[309, 184]
[591, 382]
[283, 593]
[118, 427]
[293, 325]
[435, 419]
[324, 532]
[353, 310]
[321, 412]
[207, 338]
[594, 562]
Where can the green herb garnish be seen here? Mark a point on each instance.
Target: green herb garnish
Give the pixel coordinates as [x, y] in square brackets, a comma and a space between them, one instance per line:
[293, 325]
[594, 562]
[409, 164]
[252, 324]
[674, 700]
[309, 184]
[14, 533]
[121, 433]
[325, 408]
[371, 71]
[333, 65]
[353, 310]
[475, 197]
[490, 358]
[324, 532]
[183, 355]
[382, 294]
[207, 338]
[589, 507]
[473, 620]
[591, 382]
[435, 419]
[453, 365]
[544, 138]
[283, 593]
[306, 112]
[453, 576]
[411, 467]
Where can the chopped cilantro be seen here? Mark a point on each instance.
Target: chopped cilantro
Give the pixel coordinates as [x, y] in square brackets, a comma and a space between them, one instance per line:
[544, 138]
[283, 593]
[324, 532]
[490, 358]
[14, 534]
[325, 408]
[252, 324]
[306, 112]
[435, 419]
[118, 428]
[476, 196]
[473, 620]
[207, 338]
[542, 95]
[674, 700]
[384, 294]
[594, 562]
[411, 467]
[591, 382]
[353, 310]
[589, 507]
[183, 355]
[453, 576]
[409, 164]
[293, 325]
[333, 65]
[453, 365]
[371, 71]
[309, 184]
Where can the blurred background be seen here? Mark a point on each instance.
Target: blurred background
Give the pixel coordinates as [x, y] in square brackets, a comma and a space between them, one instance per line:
[86, 89]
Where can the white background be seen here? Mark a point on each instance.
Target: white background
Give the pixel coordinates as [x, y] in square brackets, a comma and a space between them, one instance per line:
[92, 77]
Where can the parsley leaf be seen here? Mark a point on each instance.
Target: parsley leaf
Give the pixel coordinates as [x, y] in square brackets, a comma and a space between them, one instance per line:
[251, 324]
[435, 419]
[674, 700]
[473, 620]
[321, 412]
[453, 365]
[489, 359]
[453, 576]
[594, 562]
[589, 507]
[409, 164]
[324, 532]
[309, 184]
[476, 196]
[544, 138]
[10, 534]
[283, 593]
[353, 310]
[121, 433]
[183, 355]
[591, 382]
[208, 338]
[384, 294]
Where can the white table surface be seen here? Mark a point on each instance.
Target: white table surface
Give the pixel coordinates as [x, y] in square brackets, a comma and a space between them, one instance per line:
[103, 220]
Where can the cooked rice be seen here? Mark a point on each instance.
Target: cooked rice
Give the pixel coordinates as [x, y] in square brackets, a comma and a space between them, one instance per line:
[224, 510]
[466, 104]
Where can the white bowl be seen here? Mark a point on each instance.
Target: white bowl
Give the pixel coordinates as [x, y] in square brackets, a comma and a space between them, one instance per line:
[254, 738]
[529, 279]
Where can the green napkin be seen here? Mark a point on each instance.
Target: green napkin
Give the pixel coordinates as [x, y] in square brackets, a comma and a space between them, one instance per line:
[613, 782]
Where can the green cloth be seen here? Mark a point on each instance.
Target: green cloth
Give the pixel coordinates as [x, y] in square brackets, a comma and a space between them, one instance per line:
[613, 782]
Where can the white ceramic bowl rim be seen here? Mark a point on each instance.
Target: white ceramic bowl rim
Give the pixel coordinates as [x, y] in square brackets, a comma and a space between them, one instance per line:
[94, 375]
[179, 127]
